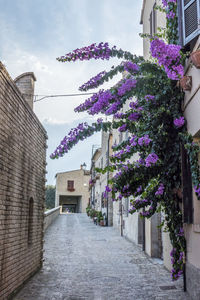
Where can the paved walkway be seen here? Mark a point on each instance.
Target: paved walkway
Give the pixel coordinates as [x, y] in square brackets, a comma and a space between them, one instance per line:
[85, 261]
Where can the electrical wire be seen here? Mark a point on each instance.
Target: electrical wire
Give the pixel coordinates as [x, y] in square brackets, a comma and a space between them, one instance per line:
[54, 96]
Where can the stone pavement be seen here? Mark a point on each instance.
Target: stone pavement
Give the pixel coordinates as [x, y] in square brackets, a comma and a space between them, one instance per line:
[85, 261]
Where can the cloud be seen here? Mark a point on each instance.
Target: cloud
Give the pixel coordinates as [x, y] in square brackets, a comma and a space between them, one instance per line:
[33, 33]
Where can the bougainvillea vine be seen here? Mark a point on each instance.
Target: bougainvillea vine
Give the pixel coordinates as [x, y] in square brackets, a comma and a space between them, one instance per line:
[156, 129]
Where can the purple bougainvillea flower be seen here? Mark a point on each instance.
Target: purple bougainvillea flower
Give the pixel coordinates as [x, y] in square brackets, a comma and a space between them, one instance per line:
[166, 2]
[149, 98]
[108, 189]
[197, 190]
[168, 56]
[131, 67]
[160, 190]
[181, 232]
[144, 141]
[93, 82]
[151, 159]
[179, 122]
[122, 128]
[134, 116]
[126, 86]
[133, 104]
[99, 121]
[171, 15]
[93, 51]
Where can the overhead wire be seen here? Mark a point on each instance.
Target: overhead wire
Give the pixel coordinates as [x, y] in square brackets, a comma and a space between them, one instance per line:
[54, 96]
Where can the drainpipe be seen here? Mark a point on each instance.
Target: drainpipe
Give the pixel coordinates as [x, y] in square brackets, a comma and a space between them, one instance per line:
[184, 272]
[143, 240]
[121, 217]
[108, 174]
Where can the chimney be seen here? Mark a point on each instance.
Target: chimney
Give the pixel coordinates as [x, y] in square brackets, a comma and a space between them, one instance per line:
[25, 83]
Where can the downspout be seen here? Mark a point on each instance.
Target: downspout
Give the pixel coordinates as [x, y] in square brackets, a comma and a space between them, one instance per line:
[143, 240]
[184, 273]
[121, 218]
[108, 174]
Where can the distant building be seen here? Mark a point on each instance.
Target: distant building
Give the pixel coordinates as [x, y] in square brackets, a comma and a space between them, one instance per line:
[100, 159]
[72, 190]
[95, 183]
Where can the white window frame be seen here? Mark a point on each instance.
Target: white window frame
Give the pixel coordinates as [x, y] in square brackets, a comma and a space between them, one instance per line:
[186, 40]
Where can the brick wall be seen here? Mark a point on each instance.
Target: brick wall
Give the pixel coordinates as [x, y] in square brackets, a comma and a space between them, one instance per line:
[22, 187]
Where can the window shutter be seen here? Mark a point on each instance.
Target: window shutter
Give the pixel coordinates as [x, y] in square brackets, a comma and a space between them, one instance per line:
[154, 19]
[190, 20]
[70, 185]
[151, 24]
[187, 187]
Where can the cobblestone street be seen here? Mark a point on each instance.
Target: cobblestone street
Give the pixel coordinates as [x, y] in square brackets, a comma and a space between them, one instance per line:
[85, 261]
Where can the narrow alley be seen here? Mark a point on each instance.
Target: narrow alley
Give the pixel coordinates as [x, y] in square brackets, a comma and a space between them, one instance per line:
[85, 261]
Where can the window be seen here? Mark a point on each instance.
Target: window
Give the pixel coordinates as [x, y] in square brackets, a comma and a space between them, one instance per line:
[30, 221]
[102, 201]
[120, 137]
[189, 13]
[70, 185]
[126, 207]
[126, 136]
[102, 163]
[107, 158]
[153, 21]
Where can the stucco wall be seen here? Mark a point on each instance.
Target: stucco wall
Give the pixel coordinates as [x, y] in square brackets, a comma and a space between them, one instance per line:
[167, 247]
[116, 214]
[130, 222]
[192, 231]
[81, 186]
[22, 187]
[153, 243]
[131, 230]
[160, 20]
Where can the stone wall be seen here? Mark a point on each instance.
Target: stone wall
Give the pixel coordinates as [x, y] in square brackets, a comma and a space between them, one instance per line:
[50, 215]
[22, 188]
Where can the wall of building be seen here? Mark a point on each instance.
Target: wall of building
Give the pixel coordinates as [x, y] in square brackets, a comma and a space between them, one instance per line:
[22, 187]
[155, 241]
[153, 236]
[81, 185]
[191, 110]
[95, 188]
[127, 224]
[145, 21]
[100, 160]
[192, 231]
[132, 228]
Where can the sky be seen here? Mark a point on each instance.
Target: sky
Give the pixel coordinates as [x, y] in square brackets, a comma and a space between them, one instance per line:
[33, 33]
